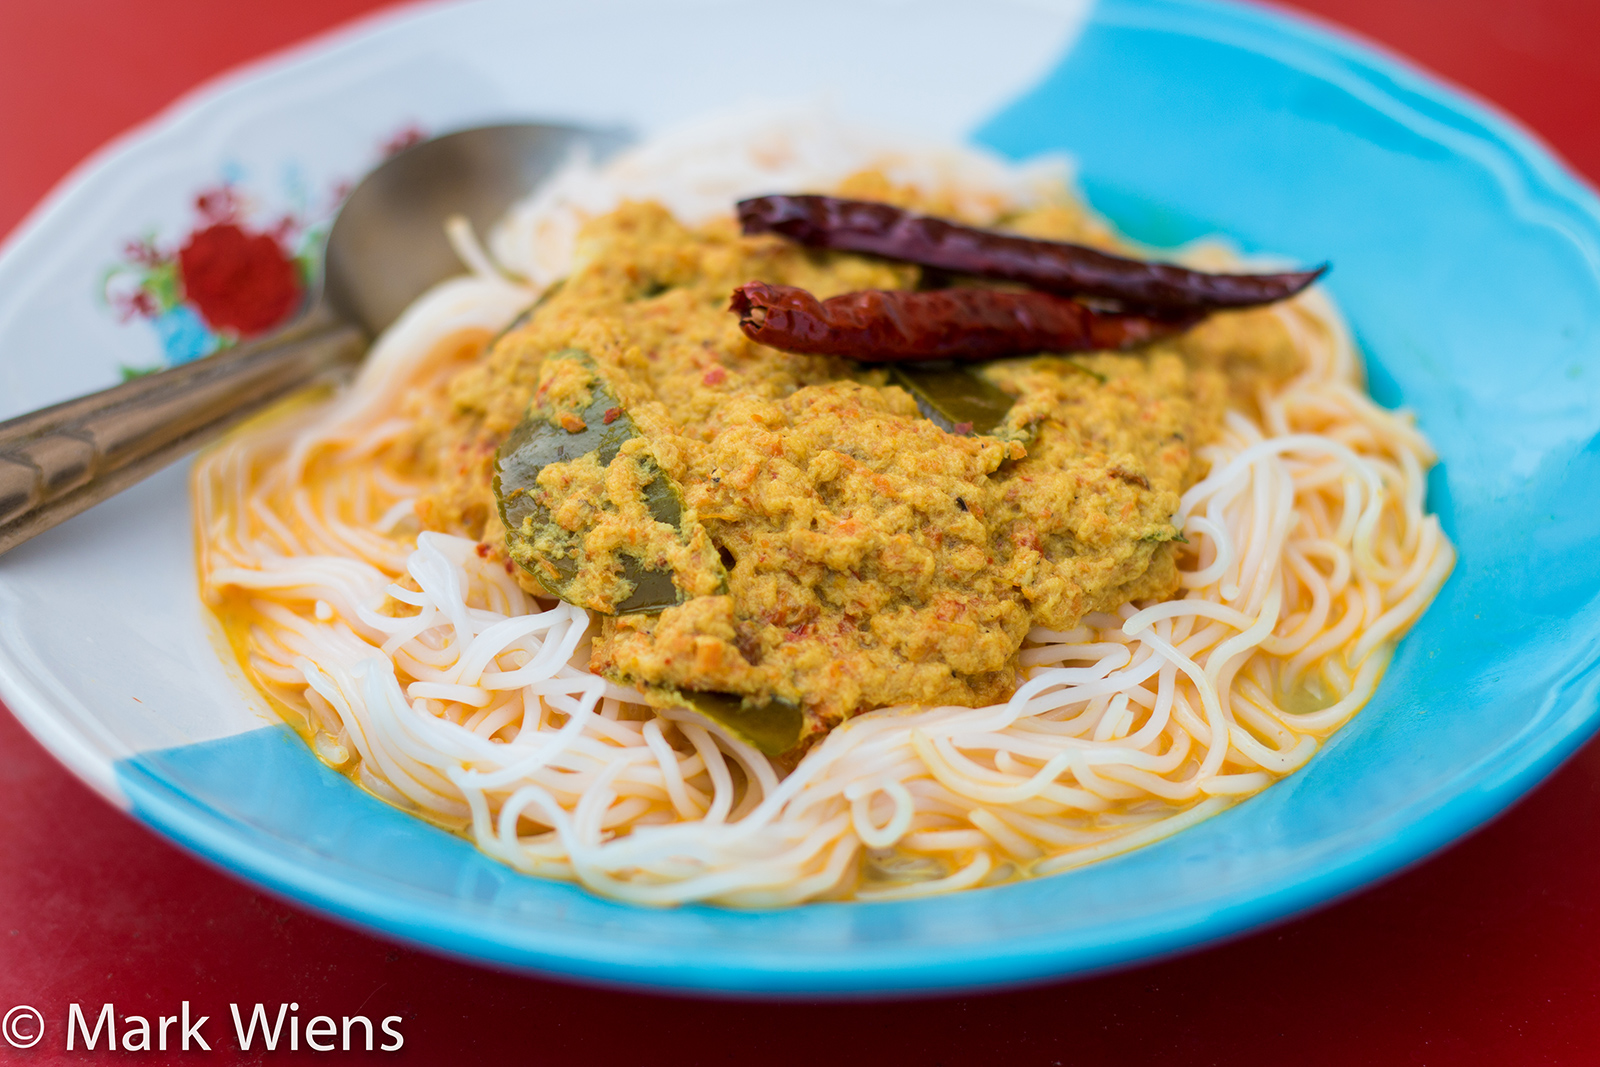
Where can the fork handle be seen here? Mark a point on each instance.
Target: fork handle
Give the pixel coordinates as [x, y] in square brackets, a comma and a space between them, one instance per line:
[60, 460]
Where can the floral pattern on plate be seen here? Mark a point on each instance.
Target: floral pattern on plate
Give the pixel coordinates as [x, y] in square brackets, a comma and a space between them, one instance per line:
[243, 267]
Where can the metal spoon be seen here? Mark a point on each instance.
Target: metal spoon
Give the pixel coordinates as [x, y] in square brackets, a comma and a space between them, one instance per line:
[387, 246]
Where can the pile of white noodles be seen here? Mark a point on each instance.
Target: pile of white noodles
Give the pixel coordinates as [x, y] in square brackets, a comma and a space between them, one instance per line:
[1310, 554]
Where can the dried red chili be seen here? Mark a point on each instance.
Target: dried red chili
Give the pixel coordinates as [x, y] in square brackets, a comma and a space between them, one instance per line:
[885, 326]
[1052, 266]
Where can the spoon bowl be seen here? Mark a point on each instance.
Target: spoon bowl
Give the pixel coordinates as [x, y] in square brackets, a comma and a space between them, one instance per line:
[388, 244]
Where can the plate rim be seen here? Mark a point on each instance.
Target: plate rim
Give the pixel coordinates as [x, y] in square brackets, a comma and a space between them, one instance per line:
[1568, 716]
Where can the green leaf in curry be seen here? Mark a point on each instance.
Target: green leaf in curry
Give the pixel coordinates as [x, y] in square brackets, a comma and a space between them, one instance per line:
[771, 725]
[953, 397]
[587, 510]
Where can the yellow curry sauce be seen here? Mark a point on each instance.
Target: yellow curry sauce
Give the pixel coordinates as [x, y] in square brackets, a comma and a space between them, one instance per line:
[871, 558]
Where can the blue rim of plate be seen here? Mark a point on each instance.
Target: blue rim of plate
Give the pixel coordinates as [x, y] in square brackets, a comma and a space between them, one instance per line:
[1566, 718]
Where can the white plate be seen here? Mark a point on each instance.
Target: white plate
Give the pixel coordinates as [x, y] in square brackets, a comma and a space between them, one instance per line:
[1467, 259]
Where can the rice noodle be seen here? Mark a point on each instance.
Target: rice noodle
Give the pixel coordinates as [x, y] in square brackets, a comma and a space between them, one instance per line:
[425, 672]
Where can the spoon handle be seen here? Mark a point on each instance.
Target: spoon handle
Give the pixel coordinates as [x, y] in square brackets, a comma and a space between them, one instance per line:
[60, 460]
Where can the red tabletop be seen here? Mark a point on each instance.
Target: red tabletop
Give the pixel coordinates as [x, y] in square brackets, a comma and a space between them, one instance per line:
[1488, 953]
